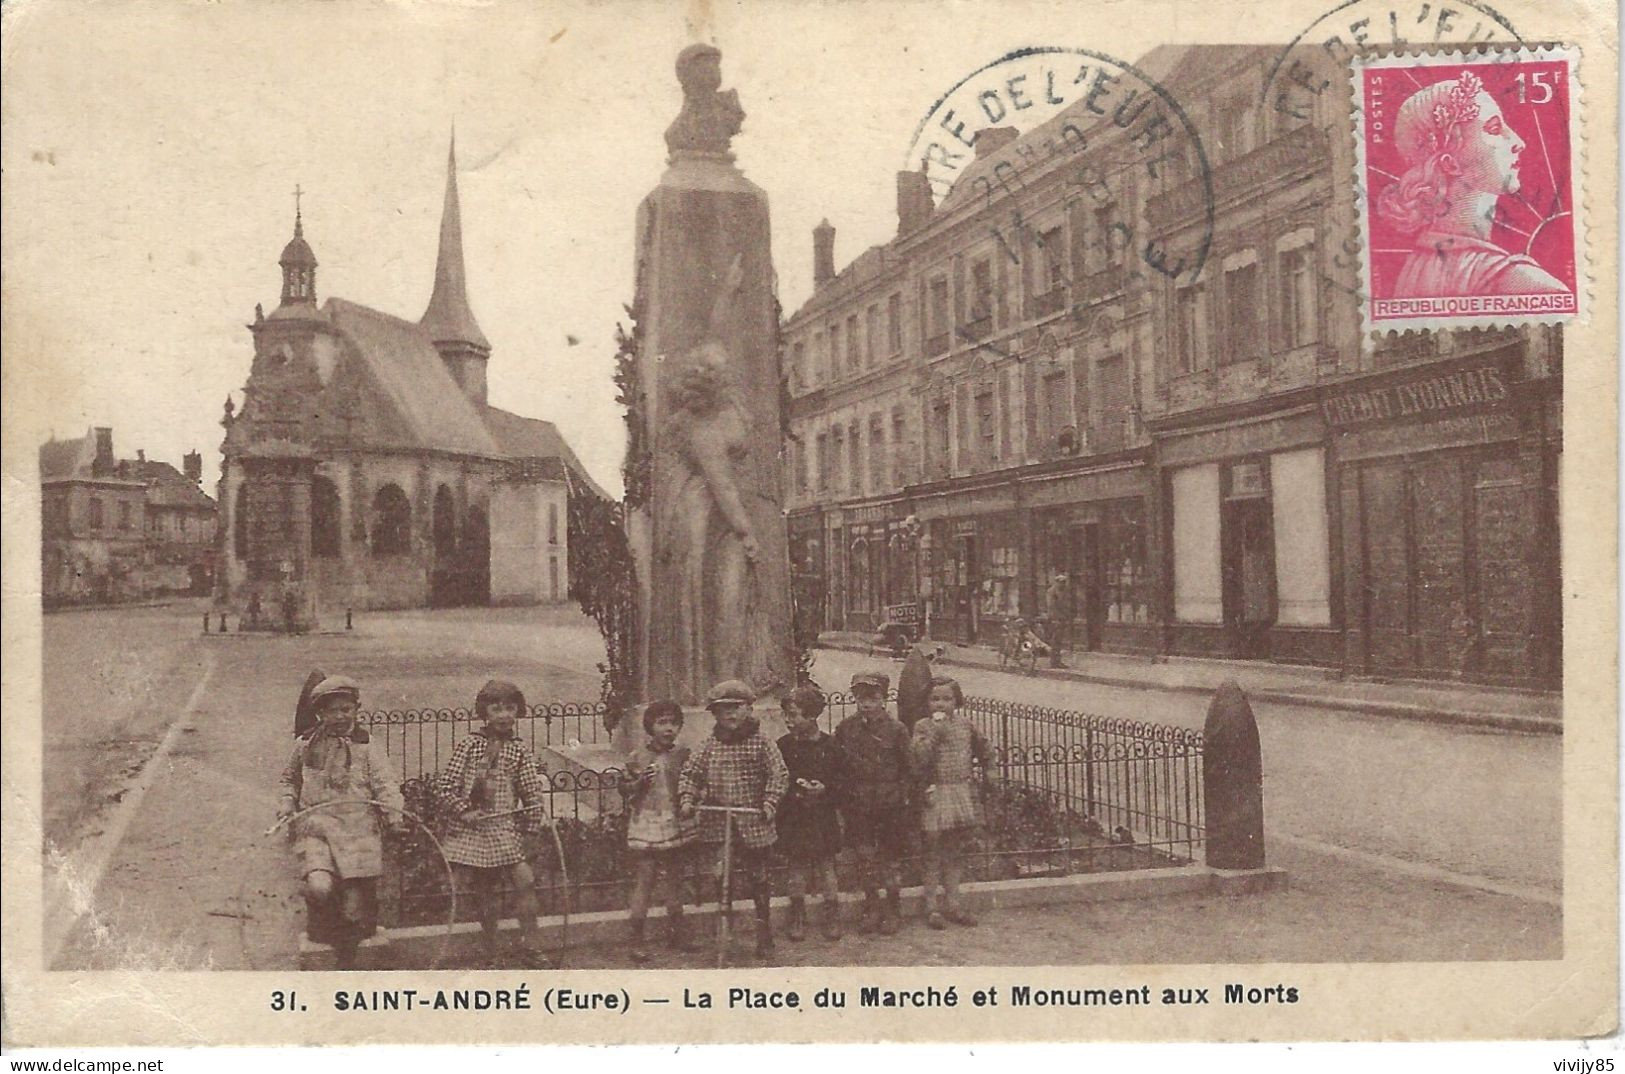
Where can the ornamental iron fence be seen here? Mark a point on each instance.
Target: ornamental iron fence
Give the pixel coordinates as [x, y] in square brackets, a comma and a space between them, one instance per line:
[1064, 792]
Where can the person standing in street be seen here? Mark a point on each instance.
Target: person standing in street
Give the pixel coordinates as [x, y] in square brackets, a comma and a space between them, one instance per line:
[1059, 607]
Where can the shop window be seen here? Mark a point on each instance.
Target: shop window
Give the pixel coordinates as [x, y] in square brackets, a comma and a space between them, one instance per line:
[324, 519]
[1298, 307]
[894, 325]
[1241, 300]
[858, 589]
[1190, 326]
[391, 522]
[1125, 575]
[1001, 584]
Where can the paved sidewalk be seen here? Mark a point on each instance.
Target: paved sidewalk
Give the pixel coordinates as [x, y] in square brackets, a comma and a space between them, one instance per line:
[1462, 703]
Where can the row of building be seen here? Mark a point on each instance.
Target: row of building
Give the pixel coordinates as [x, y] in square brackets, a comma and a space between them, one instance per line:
[1009, 410]
[121, 529]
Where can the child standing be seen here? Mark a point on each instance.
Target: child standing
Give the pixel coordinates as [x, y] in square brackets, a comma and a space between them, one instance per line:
[490, 776]
[738, 767]
[944, 747]
[809, 826]
[341, 847]
[656, 837]
[874, 806]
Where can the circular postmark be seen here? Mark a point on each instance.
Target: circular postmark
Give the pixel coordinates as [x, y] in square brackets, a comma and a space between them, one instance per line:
[1314, 70]
[1106, 125]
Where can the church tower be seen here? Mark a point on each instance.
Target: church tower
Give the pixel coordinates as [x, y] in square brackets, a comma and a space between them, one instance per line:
[298, 263]
[448, 321]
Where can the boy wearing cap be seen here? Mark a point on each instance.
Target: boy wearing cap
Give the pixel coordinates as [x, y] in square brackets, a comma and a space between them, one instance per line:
[738, 767]
[875, 806]
[340, 847]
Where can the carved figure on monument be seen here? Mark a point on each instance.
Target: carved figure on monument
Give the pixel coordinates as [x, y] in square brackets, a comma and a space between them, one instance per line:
[709, 118]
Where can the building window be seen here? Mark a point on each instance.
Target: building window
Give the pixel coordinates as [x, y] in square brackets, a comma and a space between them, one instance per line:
[820, 370]
[852, 344]
[391, 522]
[854, 469]
[987, 425]
[126, 514]
[324, 518]
[1299, 311]
[822, 459]
[937, 316]
[898, 429]
[894, 325]
[837, 456]
[1237, 129]
[871, 337]
[1110, 236]
[1052, 259]
[1241, 301]
[97, 518]
[942, 449]
[877, 452]
[1190, 326]
[552, 523]
[1057, 404]
[798, 366]
[980, 314]
[1115, 402]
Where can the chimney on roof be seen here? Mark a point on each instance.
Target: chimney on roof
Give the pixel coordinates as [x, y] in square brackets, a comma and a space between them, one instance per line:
[102, 464]
[192, 467]
[140, 454]
[914, 202]
[823, 253]
[990, 140]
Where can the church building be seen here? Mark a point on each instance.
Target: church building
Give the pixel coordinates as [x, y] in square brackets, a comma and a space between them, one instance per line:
[366, 468]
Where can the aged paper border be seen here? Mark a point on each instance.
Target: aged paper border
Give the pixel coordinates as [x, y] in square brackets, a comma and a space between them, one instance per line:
[1575, 996]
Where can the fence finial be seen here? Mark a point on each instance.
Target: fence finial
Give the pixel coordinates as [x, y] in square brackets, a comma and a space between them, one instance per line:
[1232, 782]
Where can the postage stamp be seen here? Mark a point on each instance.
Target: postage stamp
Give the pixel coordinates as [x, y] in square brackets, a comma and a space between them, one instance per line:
[1470, 213]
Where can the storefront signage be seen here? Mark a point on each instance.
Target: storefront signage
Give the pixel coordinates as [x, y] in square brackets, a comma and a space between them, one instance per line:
[1427, 395]
[1463, 430]
[1105, 485]
[1254, 438]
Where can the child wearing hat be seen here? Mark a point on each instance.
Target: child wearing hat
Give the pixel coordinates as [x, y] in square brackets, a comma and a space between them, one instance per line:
[492, 788]
[657, 839]
[340, 846]
[874, 808]
[944, 748]
[737, 766]
[809, 825]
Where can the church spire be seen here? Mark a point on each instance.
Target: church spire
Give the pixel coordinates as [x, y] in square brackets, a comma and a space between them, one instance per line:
[448, 320]
[298, 261]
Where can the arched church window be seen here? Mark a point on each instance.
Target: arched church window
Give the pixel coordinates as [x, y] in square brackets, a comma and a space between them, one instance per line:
[239, 524]
[391, 522]
[325, 533]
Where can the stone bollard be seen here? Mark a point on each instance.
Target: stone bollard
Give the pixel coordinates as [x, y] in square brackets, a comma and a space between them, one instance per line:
[1232, 782]
[349, 619]
[914, 689]
[205, 622]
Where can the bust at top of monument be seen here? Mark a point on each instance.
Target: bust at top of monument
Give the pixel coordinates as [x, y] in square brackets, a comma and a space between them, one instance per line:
[710, 117]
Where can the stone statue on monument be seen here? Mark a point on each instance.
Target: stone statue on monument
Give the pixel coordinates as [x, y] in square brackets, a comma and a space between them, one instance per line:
[710, 117]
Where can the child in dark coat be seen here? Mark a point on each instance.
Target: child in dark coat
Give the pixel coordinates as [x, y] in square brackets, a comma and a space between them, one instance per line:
[874, 800]
[809, 825]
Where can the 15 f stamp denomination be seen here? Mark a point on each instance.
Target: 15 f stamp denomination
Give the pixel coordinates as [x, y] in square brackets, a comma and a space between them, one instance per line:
[1470, 212]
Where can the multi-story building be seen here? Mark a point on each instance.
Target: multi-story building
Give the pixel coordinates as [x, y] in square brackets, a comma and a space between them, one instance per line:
[1201, 462]
[121, 529]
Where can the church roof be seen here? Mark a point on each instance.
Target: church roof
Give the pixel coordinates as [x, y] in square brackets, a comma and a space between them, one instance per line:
[449, 318]
[532, 438]
[408, 373]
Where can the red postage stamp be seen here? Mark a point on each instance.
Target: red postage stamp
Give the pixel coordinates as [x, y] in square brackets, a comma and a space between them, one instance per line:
[1470, 202]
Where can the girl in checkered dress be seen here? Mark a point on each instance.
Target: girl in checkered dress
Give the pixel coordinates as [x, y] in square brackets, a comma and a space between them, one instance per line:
[657, 839]
[491, 775]
[944, 748]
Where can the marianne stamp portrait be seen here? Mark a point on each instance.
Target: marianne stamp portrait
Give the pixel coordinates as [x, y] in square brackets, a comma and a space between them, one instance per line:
[1472, 203]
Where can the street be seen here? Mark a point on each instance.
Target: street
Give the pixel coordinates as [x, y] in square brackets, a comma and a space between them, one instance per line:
[1403, 840]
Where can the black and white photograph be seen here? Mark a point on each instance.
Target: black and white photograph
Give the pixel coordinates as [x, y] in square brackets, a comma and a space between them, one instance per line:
[677, 510]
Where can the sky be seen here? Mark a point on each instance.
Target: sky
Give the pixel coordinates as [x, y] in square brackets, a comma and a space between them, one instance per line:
[151, 152]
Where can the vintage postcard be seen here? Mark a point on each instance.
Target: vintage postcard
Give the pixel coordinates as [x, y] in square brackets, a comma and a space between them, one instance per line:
[609, 522]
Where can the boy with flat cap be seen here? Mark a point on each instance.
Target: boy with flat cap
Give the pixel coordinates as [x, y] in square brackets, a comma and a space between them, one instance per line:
[341, 846]
[875, 806]
[738, 767]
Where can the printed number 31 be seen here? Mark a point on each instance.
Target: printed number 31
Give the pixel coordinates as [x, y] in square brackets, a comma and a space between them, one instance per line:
[1536, 82]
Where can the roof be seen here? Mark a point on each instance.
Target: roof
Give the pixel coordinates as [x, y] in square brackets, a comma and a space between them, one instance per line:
[65, 458]
[166, 486]
[449, 318]
[532, 438]
[410, 377]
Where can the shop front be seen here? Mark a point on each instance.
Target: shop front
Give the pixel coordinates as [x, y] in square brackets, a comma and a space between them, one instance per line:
[805, 530]
[1091, 583]
[1447, 479]
[1248, 533]
[972, 545]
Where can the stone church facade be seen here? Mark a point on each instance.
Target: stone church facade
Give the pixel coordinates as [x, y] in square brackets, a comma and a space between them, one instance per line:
[367, 469]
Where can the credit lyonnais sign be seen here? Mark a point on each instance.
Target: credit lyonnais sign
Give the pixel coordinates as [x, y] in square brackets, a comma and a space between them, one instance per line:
[1427, 394]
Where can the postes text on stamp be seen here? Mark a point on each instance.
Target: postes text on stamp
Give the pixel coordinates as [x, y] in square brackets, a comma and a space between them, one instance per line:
[1469, 204]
